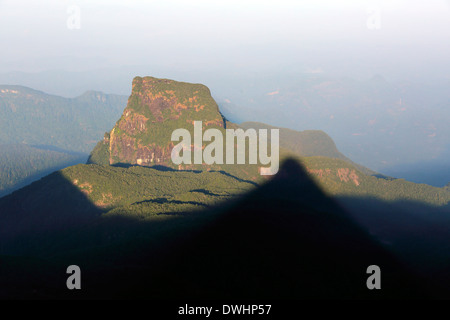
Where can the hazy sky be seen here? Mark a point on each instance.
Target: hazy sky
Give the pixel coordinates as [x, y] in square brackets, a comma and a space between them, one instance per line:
[394, 38]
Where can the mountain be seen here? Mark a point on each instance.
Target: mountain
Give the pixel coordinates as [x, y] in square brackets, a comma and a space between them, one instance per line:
[42, 133]
[35, 118]
[307, 143]
[156, 107]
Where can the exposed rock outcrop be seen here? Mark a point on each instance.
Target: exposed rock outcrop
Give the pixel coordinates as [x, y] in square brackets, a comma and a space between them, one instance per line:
[156, 107]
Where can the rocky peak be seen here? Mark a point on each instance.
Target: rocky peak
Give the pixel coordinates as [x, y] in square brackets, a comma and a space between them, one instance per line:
[155, 108]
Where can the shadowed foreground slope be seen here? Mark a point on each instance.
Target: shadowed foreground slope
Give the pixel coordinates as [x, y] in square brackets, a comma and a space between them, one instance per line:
[284, 240]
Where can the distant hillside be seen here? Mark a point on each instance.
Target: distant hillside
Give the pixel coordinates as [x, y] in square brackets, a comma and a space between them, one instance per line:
[307, 143]
[21, 164]
[36, 118]
[338, 177]
[376, 123]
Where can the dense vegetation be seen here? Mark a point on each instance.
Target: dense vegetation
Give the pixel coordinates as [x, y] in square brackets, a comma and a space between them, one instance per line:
[335, 177]
[21, 164]
[80, 194]
[148, 191]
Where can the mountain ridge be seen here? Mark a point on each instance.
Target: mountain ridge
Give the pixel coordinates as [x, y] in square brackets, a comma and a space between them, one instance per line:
[307, 143]
[68, 123]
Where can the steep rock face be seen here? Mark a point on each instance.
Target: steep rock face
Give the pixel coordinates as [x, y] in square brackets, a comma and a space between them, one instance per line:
[156, 107]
